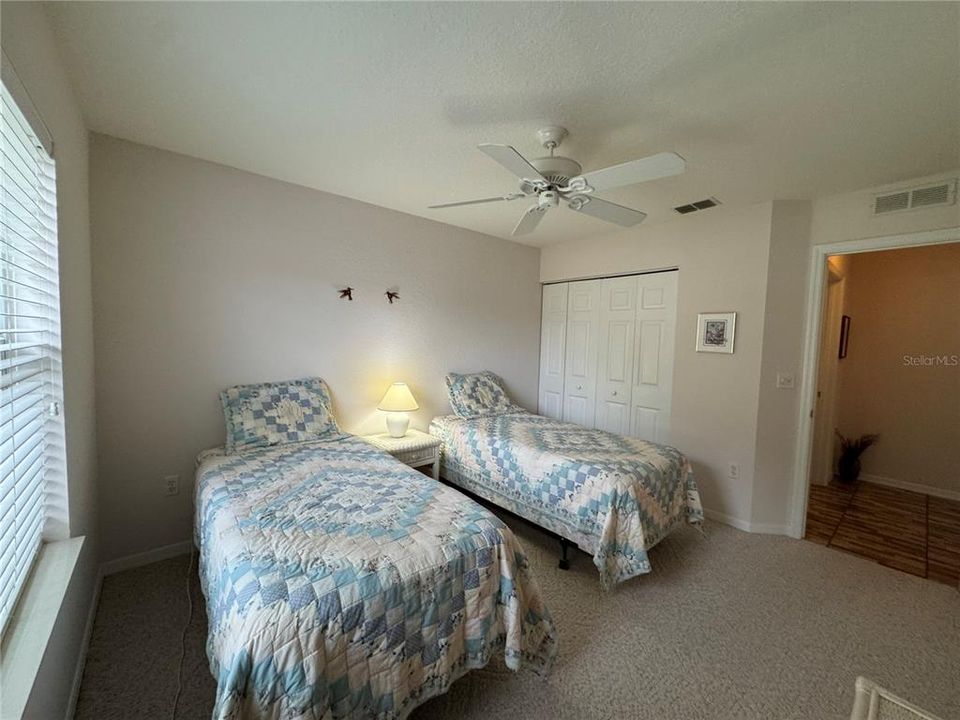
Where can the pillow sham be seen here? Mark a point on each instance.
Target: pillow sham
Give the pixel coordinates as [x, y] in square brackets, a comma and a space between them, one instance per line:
[478, 394]
[277, 413]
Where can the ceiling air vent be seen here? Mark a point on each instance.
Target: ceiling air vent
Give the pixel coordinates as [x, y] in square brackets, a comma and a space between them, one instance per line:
[944, 193]
[695, 206]
[934, 195]
[891, 203]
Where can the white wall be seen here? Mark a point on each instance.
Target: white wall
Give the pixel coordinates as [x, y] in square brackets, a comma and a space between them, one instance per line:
[29, 43]
[782, 351]
[904, 303]
[839, 218]
[205, 277]
[722, 256]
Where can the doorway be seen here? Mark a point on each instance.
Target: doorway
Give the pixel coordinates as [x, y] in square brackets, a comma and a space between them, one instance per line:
[886, 418]
[814, 449]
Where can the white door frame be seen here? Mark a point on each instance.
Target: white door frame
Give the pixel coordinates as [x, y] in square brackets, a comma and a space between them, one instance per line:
[811, 348]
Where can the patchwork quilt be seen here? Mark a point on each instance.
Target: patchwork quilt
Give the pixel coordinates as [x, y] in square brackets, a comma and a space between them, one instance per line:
[614, 496]
[342, 584]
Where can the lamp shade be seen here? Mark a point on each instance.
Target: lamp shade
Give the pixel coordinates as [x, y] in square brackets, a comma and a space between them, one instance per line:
[398, 399]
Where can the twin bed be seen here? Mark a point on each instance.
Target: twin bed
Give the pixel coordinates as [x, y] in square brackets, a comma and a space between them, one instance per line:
[342, 584]
[613, 496]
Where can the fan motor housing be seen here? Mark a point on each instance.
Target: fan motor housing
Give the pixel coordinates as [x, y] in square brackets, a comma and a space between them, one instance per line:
[548, 199]
[557, 169]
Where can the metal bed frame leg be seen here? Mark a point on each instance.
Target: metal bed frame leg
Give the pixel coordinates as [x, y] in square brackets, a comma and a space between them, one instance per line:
[564, 561]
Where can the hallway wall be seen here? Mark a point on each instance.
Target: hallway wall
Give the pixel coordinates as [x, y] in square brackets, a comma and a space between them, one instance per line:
[901, 376]
[825, 443]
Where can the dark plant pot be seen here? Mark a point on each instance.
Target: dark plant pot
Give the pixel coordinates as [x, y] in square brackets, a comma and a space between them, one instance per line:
[848, 468]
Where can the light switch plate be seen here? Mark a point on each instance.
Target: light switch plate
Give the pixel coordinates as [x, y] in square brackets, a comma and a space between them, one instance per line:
[785, 381]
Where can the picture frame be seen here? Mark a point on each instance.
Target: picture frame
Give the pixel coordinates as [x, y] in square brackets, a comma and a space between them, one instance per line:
[844, 336]
[716, 332]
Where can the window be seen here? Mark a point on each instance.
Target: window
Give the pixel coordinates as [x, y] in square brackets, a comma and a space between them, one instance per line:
[31, 430]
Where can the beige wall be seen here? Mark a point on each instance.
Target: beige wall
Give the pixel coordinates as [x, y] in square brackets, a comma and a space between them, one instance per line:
[205, 277]
[28, 42]
[722, 256]
[904, 303]
[825, 444]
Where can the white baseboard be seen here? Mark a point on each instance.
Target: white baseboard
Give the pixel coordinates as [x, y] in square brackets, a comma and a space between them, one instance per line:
[109, 568]
[145, 558]
[745, 525]
[84, 647]
[911, 486]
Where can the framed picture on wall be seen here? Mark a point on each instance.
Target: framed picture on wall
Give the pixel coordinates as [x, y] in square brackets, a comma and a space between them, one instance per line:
[844, 335]
[715, 332]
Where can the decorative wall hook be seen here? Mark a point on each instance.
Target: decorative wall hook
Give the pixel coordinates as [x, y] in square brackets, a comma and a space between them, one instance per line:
[391, 296]
[347, 293]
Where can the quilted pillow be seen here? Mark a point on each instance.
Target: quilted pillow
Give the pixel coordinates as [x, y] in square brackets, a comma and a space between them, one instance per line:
[478, 394]
[277, 413]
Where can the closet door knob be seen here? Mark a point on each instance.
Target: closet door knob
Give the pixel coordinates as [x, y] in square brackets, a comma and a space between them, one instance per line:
[579, 387]
[614, 393]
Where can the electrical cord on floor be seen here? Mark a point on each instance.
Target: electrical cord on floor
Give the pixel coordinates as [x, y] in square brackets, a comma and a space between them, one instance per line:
[183, 637]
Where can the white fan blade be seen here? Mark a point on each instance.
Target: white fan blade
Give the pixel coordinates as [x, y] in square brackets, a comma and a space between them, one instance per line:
[512, 196]
[606, 210]
[529, 220]
[512, 161]
[636, 171]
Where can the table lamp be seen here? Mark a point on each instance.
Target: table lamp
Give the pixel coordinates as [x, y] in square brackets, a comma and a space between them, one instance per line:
[397, 403]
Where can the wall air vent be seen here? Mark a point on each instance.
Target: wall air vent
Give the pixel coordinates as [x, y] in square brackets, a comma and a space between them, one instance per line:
[695, 206]
[891, 202]
[944, 193]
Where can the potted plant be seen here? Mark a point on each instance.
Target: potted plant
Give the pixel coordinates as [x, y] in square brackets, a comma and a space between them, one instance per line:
[848, 466]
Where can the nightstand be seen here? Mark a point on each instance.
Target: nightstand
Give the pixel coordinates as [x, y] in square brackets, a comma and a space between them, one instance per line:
[415, 449]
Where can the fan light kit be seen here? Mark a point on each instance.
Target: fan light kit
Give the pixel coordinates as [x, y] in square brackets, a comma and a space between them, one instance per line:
[554, 178]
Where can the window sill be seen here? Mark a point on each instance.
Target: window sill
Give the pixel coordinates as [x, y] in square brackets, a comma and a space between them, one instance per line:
[33, 621]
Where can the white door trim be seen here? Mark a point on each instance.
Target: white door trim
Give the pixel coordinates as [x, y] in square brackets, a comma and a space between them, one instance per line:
[811, 347]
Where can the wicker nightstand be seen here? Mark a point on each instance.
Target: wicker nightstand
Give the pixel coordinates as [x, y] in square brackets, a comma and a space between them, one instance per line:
[415, 449]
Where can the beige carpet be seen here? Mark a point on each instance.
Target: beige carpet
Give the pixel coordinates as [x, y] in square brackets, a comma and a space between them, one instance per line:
[728, 626]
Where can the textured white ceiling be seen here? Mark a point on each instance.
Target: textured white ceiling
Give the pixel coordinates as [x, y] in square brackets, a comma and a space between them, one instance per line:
[386, 102]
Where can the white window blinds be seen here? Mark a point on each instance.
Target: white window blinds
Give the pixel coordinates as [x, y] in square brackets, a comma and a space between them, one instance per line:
[30, 373]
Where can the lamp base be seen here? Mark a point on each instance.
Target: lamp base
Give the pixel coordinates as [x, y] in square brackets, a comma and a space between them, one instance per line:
[397, 424]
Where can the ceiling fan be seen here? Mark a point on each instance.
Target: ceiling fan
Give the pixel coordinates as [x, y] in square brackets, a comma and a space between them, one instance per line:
[555, 178]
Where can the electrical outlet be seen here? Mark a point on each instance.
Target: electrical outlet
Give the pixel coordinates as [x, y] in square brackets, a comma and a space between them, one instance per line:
[171, 485]
[734, 471]
[785, 381]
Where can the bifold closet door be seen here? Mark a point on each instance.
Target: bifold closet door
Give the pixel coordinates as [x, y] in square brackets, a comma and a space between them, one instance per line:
[653, 356]
[580, 359]
[618, 312]
[553, 333]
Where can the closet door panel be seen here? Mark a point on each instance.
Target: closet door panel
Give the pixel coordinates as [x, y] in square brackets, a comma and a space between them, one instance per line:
[618, 307]
[578, 410]
[553, 332]
[580, 360]
[646, 423]
[654, 355]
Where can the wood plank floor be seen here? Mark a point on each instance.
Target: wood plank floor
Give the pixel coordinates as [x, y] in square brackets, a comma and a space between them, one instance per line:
[912, 532]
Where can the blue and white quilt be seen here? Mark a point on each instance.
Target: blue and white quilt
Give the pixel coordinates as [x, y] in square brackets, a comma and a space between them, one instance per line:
[614, 496]
[342, 584]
